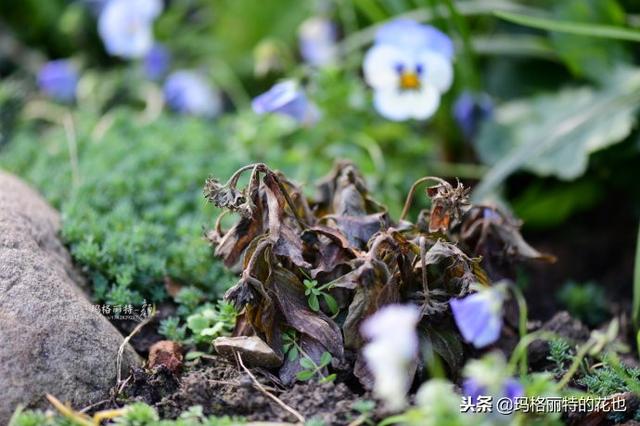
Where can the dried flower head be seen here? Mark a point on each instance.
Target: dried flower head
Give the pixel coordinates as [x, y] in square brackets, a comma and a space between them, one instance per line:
[448, 204]
[227, 197]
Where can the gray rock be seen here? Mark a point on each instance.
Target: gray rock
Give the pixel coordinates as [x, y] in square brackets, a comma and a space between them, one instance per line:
[253, 350]
[51, 338]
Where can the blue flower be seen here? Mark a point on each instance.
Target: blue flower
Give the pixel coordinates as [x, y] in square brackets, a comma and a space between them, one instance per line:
[409, 67]
[317, 40]
[470, 110]
[508, 388]
[512, 389]
[187, 92]
[58, 79]
[479, 316]
[126, 26]
[490, 377]
[156, 62]
[473, 389]
[286, 98]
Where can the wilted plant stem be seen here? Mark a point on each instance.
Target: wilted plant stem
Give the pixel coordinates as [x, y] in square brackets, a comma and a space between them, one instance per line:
[412, 191]
[423, 258]
[263, 168]
[522, 325]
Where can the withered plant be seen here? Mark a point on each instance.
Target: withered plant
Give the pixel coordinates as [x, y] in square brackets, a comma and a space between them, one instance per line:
[315, 269]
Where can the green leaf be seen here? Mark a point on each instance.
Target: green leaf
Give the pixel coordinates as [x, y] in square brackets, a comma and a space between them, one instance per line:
[305, 375]
[307, 363]
[446, 343]
[190, 356]
[331, 303]
[325, 359]
[579, 28]
[586, 56]
[314, 303]
[329, 378]
[636, 290]
[292, 355]
[197, 323]
[554, 134]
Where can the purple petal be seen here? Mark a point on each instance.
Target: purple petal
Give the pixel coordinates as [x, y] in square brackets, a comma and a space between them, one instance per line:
[411, 35]
[470, 110]
[513, 388]
[478, 317]
[288, 99]
[156, 62]
[317, 39]
[58, 80]
[188, 92]
[473, 389]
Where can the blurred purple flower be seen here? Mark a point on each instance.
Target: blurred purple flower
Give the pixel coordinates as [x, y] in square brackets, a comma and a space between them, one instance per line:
[512, 388]
[317, 40]
[470, 110]
[286, 98]
[126, 26]
[473, 389]
[156, 62]
[509, 388]
[58, 79]
[187, 92]
[479, 316]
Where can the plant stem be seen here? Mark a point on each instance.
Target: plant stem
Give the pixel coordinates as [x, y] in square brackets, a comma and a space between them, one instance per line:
[582, 352]
[412, 191]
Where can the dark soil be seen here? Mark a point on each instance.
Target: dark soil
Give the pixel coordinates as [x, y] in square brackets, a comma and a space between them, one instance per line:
[222, 389]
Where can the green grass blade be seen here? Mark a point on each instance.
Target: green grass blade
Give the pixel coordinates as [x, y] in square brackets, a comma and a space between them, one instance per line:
[577, 28]
[636, 289]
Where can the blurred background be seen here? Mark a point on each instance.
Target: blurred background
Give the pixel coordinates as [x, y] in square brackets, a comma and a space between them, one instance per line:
[117, 111]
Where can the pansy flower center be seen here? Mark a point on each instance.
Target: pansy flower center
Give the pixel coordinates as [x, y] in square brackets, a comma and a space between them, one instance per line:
[409, 80]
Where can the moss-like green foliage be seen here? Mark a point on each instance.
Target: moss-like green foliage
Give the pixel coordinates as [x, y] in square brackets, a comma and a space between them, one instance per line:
[611, 379]
[137, 414]
[133, 210]
[130, 190]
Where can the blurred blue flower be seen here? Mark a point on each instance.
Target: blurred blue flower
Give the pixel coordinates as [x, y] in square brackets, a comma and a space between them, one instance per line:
[286, 98]
[187, 92]
[317, 40]
[58, 80]
[126, 26]
[156, 62]
[95, 6]
[409, 67]
[470, 110]
[479, 316]
[473, 389]
[508, 388]
[512, 388]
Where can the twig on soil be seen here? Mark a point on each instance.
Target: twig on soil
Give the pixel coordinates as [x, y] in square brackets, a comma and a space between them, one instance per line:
[124, 344]
[94, 405]
[261, 388]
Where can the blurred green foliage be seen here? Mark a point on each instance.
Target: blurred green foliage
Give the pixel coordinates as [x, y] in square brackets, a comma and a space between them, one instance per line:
[132, 210]
[132, 204]
[587, 302]
[136, 414]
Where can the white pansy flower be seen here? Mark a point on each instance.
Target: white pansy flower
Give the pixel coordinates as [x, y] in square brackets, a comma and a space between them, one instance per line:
[409, 67]
[393, 346]
[126, 26]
